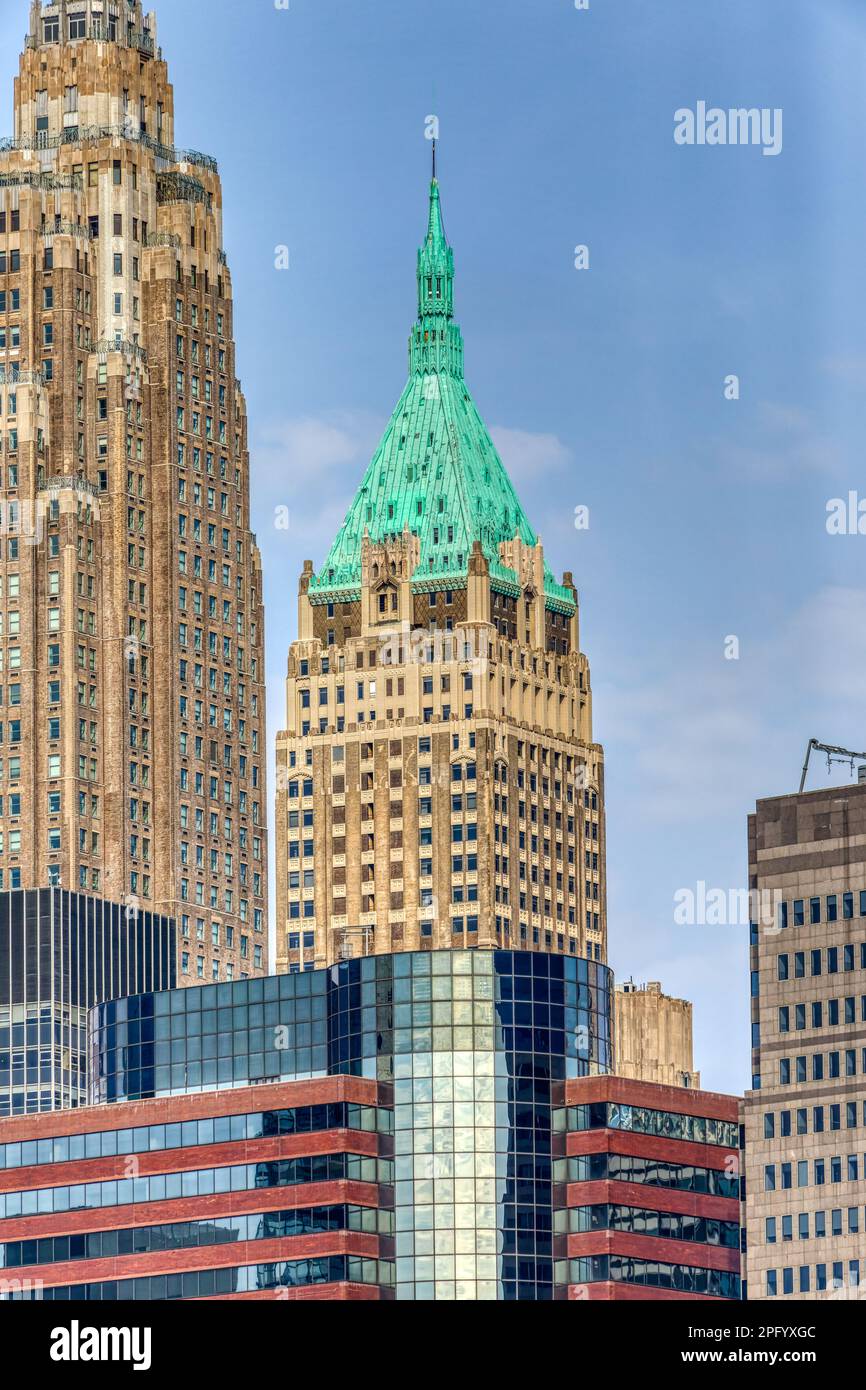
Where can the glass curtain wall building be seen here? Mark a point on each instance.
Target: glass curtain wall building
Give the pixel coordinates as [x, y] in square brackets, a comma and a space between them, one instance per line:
[61, 953]
[473, 1045]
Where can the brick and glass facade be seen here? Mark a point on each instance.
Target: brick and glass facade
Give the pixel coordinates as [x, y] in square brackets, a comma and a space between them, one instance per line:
[274, 1191]
[395, 1127]
[651, 1181]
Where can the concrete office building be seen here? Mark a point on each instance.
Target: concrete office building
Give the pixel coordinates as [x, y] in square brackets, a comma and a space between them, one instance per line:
[805, 1116]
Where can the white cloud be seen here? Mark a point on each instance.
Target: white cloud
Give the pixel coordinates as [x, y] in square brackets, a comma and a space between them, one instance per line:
[530, 459]
[782, 417]
[848, 369]
[785, 441]
[311, 467]
[297, 453]
[709, 733]
[826, 640]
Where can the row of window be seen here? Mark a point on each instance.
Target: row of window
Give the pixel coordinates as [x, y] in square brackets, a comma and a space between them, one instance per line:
[639, 1221]
[821, 1117]
[681, 1177]
[836, 1012]
[215, 972]
[840, 1277]
[796, 1070]
[212, 1283]
[190, 1235]
[833, 908]
[814, 1225]
[202, 1182]
[840, 1170]
[714, 1283]
[695, 1129]
[828, 961]
[76, 28]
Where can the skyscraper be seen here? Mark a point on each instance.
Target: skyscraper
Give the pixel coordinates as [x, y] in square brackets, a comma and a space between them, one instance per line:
[133, 718]
[438, 783]
[61, 953]
[805, 1116]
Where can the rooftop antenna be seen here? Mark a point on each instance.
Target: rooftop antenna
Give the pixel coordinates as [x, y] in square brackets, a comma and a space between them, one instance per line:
[834, 755]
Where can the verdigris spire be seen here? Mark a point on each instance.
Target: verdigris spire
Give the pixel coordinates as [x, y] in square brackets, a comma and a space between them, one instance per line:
[436, 344]
[436, 474]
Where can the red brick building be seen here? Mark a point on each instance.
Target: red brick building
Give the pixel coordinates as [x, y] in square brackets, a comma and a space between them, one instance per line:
[648, 1203]
[285, 1191]
[277, 1191]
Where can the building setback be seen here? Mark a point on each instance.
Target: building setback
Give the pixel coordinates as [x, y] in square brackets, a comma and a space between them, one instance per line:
[131, 618]
[431, 1127]
[805, 1117]
[438, 783]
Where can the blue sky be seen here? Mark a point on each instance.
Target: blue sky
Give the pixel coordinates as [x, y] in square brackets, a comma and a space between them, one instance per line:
[603, 388]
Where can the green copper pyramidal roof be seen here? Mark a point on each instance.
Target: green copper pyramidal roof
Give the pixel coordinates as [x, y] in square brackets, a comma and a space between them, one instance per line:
[436, 472]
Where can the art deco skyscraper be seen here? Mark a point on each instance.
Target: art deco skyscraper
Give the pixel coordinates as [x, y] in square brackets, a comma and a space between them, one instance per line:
[133, 719]
[438, 783]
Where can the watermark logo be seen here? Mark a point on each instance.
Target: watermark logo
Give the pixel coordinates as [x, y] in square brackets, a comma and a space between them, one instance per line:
[846, 516]
[727, 907]
[843, 1293]
[131, 908]
[77, 1343]
[581, 257]
[21, 1289]
[24, 518]
[712, 125]
[131, 652]
[422, 646]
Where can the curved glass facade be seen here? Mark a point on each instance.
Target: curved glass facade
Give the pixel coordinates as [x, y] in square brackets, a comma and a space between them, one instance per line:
[472, 1042]
[359, 1018]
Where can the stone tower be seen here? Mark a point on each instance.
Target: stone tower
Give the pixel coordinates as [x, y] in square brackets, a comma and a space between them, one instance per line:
[438, 784]
[131, 597]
